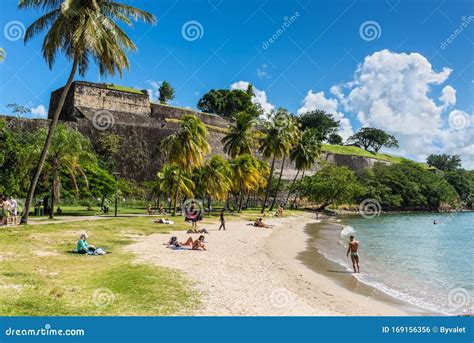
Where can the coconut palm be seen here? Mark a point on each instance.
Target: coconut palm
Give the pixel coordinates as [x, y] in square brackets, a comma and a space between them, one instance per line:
[304, 154]
[275, 143]
[167, 180]
[83, 30]
[68, 154]
[246, 176]
[186, 148]
[214, 179]
[240, 139]
[293, 133]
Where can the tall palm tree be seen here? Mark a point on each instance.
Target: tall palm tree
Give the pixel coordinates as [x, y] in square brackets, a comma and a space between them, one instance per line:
[214, 179]
[274, 144]
[186, 148]
[167, 180]
[69, 153]
[293, 132]
[246, 175]
[239, 139]
[304, 154]
[83, 30]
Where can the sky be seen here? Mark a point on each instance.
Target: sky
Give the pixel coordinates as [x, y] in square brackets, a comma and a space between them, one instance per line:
[402, 66]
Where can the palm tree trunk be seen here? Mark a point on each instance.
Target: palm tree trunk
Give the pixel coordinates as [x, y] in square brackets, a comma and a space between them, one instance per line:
[269, 184]
[176, 193]
[241, 195]
[296, 195]
[291, 188]
[54, 176]
[47, 144]
[278, 183]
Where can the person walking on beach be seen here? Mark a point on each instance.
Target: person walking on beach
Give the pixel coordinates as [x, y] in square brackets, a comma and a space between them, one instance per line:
[222, 220]
[352, 249]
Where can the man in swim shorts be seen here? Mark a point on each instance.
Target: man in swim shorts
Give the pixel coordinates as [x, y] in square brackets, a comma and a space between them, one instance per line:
[352, 249]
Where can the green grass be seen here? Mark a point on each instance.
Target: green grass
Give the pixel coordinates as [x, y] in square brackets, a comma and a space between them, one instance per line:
[355, 151]
[39, 277]
[124, 89]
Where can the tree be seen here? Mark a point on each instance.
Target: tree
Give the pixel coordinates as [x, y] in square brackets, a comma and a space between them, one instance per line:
[166, 92]
[275, 143]
[68, 153]
[444, 162]
[170, 177]
[19, 110]
[304, 154]
[293, 133]
[246, 175]
[186, 148]
[323, 123]
[369, 137]
[224, 102]
[82, 30]
[334, 139]
[107, 146]
[239, 139]
[331, 185]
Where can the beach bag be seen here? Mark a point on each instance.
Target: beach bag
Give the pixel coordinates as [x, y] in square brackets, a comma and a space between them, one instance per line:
[99, 251]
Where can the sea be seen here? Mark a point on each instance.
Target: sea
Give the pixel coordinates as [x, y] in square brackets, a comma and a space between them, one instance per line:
[409, 257]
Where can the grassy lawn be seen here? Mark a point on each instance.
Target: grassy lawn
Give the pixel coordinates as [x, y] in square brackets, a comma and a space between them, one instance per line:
[125, 89]
[353, 150]
[38, 276]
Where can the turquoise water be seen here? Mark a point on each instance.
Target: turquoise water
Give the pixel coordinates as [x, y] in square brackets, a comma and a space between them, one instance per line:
[407, 256]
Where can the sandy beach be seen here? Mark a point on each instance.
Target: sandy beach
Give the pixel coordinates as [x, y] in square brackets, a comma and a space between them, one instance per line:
[250, 271]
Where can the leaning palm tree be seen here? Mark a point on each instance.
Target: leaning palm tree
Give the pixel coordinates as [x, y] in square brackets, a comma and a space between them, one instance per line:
[83, 30]
[304, 154]
[293, 133]
[167, 180]
[246, 176]
[186, 148]
[274, 144]
[239, 139]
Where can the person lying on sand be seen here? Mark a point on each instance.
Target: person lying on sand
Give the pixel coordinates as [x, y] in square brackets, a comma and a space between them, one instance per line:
[163, 221]
[260, 223]
[353, 247]
[203, 230]
[83, 247]
[197, 244]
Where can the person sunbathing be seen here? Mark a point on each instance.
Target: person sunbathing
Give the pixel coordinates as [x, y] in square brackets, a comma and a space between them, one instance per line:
[163, 221]
[197, 244]
[203, 230]
[260, 223]
[83, 247]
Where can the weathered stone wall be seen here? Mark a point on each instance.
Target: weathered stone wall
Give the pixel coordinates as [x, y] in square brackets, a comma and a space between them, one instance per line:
[143, 125]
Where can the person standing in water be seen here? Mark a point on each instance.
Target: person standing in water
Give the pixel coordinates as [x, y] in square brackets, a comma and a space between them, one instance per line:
[352, 249]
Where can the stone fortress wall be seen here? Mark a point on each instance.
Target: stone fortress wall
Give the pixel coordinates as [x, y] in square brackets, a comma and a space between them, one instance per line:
[96, 109]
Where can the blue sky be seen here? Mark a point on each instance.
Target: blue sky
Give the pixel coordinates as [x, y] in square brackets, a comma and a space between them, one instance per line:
[322, 45]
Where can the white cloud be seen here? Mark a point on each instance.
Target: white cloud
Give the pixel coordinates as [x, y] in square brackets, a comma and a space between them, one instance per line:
[318, 101]
[260, 96]
[392, 91]
[39, 110]
[448, 96]
[154, 90]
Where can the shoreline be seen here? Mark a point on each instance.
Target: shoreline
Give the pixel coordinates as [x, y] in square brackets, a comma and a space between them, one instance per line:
[250, 271]
[348, 279]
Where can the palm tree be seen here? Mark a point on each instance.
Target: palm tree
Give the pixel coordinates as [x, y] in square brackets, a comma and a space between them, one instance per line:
[293, 133]
[304, 154]
[68, 154]
[246, 175]
[214, 179]
[167, 180]
[84, 31]
[186, 148]
[274, 144]
[239, 139]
